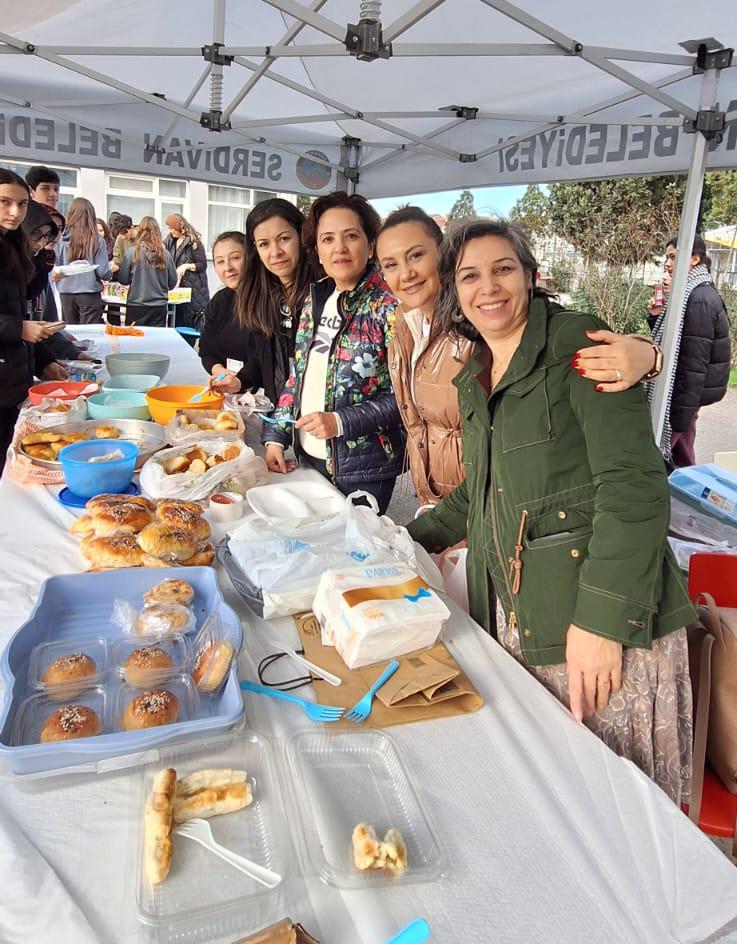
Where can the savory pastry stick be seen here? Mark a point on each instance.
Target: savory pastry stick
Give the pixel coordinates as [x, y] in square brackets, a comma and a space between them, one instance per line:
[158, 826]
[212, 801]
[209, 777]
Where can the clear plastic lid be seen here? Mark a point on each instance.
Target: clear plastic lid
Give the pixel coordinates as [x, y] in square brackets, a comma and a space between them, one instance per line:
[214, 649]
[34, 713]
[154, 619]
[203, 896]
[343, 779]
[144, 661]
[169, 702]
[68, 666]
[190, 426]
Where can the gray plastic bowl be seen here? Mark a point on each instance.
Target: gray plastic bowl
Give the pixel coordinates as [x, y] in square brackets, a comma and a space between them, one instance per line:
[133, 363]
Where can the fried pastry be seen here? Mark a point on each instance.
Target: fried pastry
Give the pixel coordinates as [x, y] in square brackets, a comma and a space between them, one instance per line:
[158, 823]
[107, 432]
[212, 801]
[369, 853]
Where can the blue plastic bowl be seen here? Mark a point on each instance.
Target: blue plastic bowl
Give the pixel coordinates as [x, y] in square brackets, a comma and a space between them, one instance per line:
[118, 405]
[88, 479]
[137, 382]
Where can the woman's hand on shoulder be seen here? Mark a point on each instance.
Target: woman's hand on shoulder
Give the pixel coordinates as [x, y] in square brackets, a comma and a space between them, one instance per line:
[594, 666]
[617, 361]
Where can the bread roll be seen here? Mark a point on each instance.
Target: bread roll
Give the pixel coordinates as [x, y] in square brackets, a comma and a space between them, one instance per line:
[123, 517]
[150, 710]
[179, 517]
[170, 591]
[162, 618]
[120, 550]
[157, 844]
[107, 500]
[175, 465]
[211, 665]
[232, 451]
[212, 801]
[203, 558]
[145, 665]
[70, 722]
[168, 542]
[83, 525]
[65, 671]
[210, 777]
[166, 505]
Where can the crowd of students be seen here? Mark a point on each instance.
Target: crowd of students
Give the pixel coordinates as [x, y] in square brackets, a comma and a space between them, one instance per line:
[389, 345]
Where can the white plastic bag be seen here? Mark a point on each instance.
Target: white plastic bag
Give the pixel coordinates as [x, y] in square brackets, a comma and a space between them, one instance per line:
[46, 415]
[286, 563]
[452, 566]
[197, 485]
[189, 432]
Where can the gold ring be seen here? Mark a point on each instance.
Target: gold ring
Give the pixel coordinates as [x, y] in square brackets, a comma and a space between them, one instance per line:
[618, 374]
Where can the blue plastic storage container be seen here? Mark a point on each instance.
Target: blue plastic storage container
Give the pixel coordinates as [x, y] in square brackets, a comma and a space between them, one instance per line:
[87, 479]
[75, 605]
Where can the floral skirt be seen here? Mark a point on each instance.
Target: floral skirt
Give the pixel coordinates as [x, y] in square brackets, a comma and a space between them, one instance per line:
[649, 720]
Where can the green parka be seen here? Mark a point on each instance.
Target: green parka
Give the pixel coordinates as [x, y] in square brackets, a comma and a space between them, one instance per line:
[565, 503]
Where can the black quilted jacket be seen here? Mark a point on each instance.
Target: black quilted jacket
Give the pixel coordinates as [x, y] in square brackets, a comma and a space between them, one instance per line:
[705, 356]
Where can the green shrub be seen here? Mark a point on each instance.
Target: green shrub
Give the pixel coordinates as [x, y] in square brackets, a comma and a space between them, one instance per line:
[615, 297]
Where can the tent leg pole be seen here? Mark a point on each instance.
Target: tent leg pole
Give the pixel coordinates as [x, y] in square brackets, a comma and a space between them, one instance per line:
[686, 233]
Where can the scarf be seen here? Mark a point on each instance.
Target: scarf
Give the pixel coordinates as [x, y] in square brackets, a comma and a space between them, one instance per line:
[696, 276]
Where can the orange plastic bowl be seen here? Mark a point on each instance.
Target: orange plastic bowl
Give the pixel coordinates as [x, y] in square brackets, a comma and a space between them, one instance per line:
[163, 402]
[71, 390]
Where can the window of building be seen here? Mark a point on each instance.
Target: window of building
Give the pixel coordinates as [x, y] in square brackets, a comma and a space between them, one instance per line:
[145, 196]
[68, 179]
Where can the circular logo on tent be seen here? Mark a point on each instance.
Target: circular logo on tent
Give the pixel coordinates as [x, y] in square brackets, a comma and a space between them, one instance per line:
[313, 175]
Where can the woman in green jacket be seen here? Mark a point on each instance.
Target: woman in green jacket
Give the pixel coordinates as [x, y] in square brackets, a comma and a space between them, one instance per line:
[570, 519]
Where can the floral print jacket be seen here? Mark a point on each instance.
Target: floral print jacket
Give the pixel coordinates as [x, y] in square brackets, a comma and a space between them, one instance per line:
[358, 385]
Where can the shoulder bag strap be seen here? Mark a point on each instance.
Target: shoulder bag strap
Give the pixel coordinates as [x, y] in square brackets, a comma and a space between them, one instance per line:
[701, 727]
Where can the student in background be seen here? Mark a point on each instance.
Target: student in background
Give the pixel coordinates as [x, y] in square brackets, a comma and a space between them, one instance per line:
[123, 232]
[104, 231]
[188, 252]
[149, 270]
[81, 301]
[45, 186]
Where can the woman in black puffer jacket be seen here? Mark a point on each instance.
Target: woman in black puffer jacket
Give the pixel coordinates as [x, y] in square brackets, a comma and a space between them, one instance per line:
[704, 358]
[185, 246]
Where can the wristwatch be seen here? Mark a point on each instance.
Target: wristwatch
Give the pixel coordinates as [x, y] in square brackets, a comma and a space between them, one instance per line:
[657, 367]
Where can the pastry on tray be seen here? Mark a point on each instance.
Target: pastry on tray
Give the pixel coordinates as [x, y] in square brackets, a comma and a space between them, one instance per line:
[170, 591]
[120, 550]
[116, 499]
[180, 517]
[151, 709]
[145, 664]
[161, 618]
[70, 722]
[211, 792]
[211, 664]
[158, 825]
[168, 542]
[65, 671]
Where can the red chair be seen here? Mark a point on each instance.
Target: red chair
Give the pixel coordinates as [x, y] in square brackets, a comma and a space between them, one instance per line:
[715, 574]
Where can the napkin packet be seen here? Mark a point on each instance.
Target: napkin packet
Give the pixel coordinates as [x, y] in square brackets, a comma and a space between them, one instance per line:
[283, 932]
[375, 613]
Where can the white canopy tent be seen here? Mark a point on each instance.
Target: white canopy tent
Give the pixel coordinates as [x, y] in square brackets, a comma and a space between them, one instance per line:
[397, 98]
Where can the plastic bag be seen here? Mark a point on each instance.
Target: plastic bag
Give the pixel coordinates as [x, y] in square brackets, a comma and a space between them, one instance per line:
[156, 483]
[184, 428]
[286, 563]
[154, 619]
[452, 566]
[49, 412]
[248, 403]
[213, 651]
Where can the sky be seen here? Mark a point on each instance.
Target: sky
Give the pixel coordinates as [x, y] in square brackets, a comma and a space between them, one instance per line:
[489, 201]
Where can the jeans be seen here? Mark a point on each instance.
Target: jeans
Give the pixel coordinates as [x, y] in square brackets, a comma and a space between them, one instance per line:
[81, 307]
[380, 489]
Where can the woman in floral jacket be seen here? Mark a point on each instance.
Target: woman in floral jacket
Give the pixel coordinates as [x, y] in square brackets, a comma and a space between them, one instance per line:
[338, 409]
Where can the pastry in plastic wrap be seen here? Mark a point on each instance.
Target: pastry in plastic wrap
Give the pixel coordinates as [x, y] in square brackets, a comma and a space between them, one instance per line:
[372, 614]
[158, 619]
[170, 591]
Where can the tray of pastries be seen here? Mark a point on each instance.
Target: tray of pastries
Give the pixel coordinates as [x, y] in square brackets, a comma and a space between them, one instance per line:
[76, 672]
[43, 446]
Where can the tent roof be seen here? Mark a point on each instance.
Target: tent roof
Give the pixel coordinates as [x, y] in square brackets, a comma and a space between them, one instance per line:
[555, 92]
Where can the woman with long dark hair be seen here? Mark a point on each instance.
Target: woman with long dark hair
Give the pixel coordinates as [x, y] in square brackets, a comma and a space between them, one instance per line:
[19, 336]
[188, 252]
[249, 332]
[104, 231]
[81, 295]
[149, 270]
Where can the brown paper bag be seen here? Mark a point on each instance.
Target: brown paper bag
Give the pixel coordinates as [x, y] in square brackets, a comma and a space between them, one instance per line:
[428, 684]
[283, 932]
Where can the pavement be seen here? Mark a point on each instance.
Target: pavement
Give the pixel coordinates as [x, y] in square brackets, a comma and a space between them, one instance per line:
[716, 431]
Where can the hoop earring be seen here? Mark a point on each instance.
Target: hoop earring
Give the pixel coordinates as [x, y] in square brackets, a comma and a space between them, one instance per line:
[457, 316]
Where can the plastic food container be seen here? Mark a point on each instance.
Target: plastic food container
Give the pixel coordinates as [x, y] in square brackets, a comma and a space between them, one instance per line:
[181, 686]
[61, 389]
[87, 479]
[188, 426]
[135, 363]
[214, 635]
[141, 383]
[118, 405]
[163, 402]
[77, 605]
[174, 645]
[34, 711]
[342, 779]
[203, 898]
[43, 655]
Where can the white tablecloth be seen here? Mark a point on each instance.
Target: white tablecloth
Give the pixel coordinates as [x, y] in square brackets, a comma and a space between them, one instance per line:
[549, 836]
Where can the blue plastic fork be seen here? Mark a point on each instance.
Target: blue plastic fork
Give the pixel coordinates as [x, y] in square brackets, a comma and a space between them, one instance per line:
[362, 709]
[415, 933]
[272, 421]
[324, 713]
[198, 396]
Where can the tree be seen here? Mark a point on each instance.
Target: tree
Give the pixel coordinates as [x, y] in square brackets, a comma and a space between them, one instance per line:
[304, 203]
[723, 191]
[463, 208]
[532, 212]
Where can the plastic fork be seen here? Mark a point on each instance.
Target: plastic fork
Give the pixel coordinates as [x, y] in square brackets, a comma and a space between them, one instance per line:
[198, 830]
[315, 669]
[362, 709]
[415, 933]
[324, 713]
[272, 421]
[198, 396]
